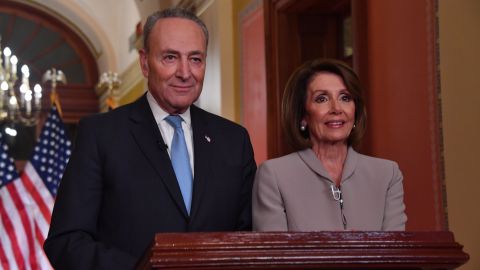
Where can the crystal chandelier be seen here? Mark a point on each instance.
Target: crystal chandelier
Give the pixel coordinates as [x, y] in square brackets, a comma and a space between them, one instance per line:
[18, 103]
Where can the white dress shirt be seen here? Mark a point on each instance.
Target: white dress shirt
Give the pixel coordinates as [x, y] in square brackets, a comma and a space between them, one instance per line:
[167, 130]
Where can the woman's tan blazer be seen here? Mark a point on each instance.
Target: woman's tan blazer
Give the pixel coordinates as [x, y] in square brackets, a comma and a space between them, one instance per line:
[294, 193]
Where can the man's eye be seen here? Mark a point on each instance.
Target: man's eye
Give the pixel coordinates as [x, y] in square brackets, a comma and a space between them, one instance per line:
[169, 57]
[197, 59]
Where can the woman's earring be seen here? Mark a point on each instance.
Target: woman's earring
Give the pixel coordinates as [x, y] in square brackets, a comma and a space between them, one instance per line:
[303, 127]
[354, 125]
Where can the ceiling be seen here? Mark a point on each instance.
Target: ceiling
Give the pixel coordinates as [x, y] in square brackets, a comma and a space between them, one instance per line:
[39, 47]
[44, 39]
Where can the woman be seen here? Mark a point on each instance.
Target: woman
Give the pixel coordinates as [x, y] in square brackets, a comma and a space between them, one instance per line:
[326, 184]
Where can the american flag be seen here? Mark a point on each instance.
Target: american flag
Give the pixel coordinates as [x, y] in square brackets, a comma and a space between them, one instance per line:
[26, 202]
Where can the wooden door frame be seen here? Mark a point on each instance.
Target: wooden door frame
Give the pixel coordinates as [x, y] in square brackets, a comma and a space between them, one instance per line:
[283, 56]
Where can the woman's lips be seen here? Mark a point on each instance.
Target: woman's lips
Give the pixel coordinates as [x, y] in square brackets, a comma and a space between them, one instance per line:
[335, 123]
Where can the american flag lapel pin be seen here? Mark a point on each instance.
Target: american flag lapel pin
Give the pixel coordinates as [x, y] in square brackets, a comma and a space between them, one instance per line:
[208, 138]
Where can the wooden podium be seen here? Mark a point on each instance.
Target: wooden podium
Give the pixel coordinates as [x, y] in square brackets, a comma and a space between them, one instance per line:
[305, 250]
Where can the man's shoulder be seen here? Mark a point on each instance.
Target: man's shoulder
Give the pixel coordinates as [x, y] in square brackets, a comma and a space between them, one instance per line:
[120, 113]
[105, 117]
[212, 119]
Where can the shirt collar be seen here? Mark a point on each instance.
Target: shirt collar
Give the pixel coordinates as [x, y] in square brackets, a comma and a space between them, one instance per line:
[160, 114]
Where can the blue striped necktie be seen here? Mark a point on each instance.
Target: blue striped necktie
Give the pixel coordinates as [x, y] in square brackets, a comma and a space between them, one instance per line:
[181, 160]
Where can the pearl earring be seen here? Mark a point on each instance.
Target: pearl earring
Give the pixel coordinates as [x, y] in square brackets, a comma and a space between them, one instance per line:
[303, 128]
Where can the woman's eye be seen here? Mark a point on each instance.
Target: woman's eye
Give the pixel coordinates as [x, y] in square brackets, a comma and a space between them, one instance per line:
[320, 99]
[346, 98]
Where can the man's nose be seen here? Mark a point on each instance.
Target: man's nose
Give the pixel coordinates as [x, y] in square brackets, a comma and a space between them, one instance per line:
[183, 69]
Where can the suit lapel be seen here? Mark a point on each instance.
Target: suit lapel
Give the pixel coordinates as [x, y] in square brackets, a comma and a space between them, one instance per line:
[311, 160]
[150, 141]
[350, 164]
[203, 143]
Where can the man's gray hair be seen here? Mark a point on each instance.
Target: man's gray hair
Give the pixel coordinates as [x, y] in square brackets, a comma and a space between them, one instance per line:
[171, 13]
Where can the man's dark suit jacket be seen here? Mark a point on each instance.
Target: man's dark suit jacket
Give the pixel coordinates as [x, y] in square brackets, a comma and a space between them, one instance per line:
[119, 187]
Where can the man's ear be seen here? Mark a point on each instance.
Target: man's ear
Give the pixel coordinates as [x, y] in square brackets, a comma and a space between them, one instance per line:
[144, 62]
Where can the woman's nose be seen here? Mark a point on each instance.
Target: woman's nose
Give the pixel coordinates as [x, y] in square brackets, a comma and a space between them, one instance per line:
[335, 107]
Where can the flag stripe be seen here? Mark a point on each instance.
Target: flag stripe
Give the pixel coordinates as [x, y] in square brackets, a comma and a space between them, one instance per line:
[39, 235]
[3, 257]
[39, 240]
[42, 198]
[26, 201]
[26, 221]
[9, 262]
[43, 225]
[43, 262]
[38, 183]
[36, 197]
[10, 230]
[30, 210]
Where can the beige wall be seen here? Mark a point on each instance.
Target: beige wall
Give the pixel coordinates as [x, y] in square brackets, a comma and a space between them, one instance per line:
[459, 23]
[238, 7]
[218, 87]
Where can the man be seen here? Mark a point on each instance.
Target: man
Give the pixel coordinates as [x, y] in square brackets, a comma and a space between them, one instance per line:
[122, 184]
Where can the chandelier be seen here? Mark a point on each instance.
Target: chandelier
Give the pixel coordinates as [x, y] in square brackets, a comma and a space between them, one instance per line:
[18, 103]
